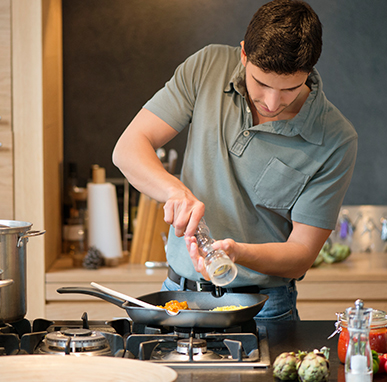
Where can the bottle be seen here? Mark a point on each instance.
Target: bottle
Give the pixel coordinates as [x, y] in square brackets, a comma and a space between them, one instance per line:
[219, 266]
[74, 237]
[358, 360]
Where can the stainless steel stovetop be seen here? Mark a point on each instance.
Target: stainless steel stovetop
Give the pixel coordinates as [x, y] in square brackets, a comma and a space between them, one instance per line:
[244, 346]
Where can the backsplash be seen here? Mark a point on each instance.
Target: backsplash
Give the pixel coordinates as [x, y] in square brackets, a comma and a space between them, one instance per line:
[363, 228]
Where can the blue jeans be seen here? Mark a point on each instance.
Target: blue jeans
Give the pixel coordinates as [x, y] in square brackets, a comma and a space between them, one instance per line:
[281, 305]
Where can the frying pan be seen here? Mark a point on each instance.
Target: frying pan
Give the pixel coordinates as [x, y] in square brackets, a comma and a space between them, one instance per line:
[200, 304]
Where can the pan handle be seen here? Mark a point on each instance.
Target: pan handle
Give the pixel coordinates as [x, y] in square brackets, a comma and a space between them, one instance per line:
[92, 292]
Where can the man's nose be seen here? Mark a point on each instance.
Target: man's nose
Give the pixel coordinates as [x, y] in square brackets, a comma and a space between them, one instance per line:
[273, 99]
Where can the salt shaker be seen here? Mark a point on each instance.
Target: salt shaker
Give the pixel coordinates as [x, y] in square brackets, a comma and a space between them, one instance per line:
[219, 266]
[358, 360]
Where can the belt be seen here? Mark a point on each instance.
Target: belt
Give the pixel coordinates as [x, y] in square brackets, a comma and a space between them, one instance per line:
[206, 286]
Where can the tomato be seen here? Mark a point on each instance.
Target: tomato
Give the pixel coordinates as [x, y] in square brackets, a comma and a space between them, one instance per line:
[382, 363]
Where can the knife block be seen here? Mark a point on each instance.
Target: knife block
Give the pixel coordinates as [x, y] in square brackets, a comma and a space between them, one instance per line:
[147, 242]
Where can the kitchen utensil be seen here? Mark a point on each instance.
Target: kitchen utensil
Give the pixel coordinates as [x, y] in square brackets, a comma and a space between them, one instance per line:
[124, 296]
[54, 368]
[200, 304]
[14, 236]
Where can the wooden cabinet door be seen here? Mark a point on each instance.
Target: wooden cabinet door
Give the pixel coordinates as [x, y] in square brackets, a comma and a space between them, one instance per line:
[6, 142]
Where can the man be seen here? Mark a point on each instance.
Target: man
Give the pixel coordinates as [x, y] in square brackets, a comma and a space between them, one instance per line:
[268, 158]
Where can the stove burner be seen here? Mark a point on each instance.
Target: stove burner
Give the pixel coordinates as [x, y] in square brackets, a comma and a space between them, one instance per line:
[189, 349]
[76, 341]
[198, 346]
[201, 348]
[77, 332]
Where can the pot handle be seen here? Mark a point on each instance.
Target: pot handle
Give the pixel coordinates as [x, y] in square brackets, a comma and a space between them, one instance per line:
[27, 235]
[4, 283]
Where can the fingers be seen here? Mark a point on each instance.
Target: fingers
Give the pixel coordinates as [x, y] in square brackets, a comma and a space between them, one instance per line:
[229, 246]
[184, 214]
[197, 259]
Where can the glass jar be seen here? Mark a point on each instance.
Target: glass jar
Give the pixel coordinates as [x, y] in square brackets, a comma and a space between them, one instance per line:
[378, 333]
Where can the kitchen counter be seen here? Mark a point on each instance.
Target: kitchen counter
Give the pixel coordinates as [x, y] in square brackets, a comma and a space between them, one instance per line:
[331, 288]
[283, 336]
[325, 290]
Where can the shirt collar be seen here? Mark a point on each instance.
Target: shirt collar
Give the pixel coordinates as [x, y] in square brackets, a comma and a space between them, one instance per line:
[303, 123]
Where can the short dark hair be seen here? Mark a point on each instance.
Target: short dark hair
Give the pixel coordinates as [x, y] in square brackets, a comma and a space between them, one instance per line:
[285, 37]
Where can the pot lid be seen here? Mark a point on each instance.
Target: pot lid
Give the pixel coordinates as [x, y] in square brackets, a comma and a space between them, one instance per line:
[54, 368]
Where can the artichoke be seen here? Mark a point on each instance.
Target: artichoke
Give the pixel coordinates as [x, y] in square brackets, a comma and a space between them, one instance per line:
[314, 366]
[340, 252]
[285, 366]
[332, 254]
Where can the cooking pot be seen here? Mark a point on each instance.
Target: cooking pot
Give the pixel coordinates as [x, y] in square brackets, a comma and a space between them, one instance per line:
[200, 304]
[13, 240]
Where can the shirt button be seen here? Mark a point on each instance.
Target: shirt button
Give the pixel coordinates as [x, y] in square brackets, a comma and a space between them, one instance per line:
[248, 109]
[246, 133]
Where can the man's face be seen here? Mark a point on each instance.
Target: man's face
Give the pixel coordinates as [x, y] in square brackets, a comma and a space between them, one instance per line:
[273, 95]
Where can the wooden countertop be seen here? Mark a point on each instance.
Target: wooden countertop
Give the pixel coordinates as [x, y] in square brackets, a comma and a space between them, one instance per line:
[357, 267]
[325, 290]
[63, 271]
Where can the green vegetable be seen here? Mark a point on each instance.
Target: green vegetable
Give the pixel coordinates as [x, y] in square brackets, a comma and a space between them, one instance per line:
[332, 253]
[308, 367]
[285, 366]
[314, 367]
[375, 362]
[340, 252]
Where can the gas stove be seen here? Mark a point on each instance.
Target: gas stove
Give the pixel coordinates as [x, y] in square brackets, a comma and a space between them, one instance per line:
[75, 338]
[244, 346]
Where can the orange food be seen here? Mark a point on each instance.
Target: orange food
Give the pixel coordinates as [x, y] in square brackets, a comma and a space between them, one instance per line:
[174, 306]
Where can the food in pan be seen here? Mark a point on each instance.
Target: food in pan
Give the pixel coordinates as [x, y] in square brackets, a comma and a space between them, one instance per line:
[227, 307]
[174, 306]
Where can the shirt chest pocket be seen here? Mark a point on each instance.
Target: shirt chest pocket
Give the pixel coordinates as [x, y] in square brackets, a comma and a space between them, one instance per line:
[279, 185]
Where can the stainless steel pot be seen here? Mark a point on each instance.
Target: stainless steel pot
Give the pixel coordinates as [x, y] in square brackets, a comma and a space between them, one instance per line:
[13, 240]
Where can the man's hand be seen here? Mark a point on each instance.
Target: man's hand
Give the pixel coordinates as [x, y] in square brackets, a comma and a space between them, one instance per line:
[183, 211]
[196, 257]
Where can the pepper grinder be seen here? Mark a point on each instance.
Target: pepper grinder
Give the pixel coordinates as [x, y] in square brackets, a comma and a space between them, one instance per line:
[219, 266]
[358, 360]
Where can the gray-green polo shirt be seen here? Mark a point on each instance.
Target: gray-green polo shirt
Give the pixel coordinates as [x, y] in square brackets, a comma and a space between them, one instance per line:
[254, 180]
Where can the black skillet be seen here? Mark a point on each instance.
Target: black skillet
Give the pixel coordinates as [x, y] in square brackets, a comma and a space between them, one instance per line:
[200, 304]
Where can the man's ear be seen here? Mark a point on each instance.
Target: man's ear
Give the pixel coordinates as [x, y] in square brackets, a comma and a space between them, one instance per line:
[243, 54]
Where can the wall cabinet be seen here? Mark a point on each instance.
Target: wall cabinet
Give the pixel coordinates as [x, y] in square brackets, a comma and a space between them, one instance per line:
[31, 131]
[6, 137]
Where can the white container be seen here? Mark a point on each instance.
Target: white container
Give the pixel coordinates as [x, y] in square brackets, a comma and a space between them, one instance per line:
[104, 231]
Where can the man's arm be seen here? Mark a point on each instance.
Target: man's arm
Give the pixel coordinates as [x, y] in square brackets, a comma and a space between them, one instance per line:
[135, 156]
[290, 259]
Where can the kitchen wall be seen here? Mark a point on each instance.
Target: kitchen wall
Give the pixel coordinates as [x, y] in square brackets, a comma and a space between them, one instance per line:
[117, 53]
